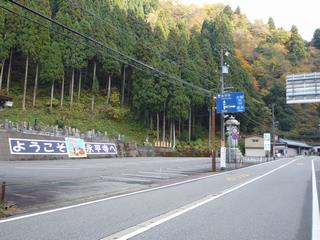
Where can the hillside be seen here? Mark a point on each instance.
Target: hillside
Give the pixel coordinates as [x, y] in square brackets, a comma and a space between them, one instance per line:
[148, 68]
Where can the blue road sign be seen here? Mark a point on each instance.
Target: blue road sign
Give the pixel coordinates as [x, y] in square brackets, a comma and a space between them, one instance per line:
[231, 102]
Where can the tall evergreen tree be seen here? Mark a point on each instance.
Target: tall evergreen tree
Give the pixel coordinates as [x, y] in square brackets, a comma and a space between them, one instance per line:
[52, 70]
[271, 24]
[296, 46]
[316, 38]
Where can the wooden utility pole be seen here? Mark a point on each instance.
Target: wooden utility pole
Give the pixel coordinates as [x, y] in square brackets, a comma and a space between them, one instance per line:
[213, 133]
[273, 134]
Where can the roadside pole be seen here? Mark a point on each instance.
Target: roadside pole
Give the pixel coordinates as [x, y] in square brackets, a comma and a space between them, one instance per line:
[273, 134]
[213, 133]
[222, 145]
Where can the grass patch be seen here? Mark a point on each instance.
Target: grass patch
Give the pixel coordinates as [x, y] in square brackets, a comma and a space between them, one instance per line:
[8, 209]
[78, 116]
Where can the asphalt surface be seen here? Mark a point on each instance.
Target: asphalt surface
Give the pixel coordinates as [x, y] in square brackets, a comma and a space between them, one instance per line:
[34, 185]
[266, 201]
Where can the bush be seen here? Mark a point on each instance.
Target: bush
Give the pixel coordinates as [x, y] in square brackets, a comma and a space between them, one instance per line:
[55, 102]
[114, 113]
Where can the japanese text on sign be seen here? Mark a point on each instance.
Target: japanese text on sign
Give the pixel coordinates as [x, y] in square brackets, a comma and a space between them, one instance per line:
[53, 147]
[101, 148]
[41, 147]
[230, 102]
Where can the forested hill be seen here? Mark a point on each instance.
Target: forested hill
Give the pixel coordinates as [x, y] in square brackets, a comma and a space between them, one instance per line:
[156, 62]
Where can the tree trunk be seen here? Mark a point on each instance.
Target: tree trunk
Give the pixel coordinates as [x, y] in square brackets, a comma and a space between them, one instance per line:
[158, 127]
[174, 135]
[92, 103]
[25, 84]
[193, 123]
[79, 85]
[62, 91]
[164, 125]
[123, 85]
[109, 90]
[151, 122]
[209, 141]
[93, 80]
[179, 128]
[1, 73]
[35, 86]
[190, 125]
[51, 96]
[72, 87]
[146, 118]
[170, 131]
[9, 71]
[128, 90]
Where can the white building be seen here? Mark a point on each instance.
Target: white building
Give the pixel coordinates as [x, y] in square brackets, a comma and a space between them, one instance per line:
[254, 147]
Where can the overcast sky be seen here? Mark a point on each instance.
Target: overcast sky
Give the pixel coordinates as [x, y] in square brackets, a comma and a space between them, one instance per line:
[304, 14]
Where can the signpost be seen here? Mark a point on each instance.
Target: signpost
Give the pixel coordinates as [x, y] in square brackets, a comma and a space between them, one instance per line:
[231, 102]
[267, 141]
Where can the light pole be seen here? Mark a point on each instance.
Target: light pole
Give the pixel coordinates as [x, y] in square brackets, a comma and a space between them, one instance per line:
[224, 70]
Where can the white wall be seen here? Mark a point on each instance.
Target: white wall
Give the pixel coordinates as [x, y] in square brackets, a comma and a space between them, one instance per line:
[255, 152]
[291, 152]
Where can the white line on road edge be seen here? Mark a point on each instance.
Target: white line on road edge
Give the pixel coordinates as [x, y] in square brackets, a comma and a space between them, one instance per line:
[123, 195]
[145, 226]
[315, 207]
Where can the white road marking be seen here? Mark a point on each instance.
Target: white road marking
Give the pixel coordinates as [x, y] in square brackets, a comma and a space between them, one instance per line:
[123, 195]
[47, 168]
[164, 173]
[144, 176]
[145, 226]
[315, 207]
[126, 179]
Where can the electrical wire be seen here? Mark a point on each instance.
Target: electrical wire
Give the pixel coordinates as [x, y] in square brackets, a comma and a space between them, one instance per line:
[84, 44]
[144, 65]
[203, 77]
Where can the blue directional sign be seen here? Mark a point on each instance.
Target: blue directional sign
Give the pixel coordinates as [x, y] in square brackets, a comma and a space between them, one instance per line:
[231, 102]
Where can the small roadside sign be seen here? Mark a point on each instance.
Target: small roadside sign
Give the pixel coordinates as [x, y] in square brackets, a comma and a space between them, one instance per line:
[267, 141]
[234, 133]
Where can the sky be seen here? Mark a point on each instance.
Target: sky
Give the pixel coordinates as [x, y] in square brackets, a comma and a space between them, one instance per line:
[285, 13]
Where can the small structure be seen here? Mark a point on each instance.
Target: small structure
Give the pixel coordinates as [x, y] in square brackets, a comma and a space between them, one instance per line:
[291, 148]
[254, 147]
[233, 136]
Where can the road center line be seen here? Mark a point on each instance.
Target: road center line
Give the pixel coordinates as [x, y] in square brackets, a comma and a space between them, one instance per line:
[124, 195]
[47, 168]
[315, 207]
[145, 226]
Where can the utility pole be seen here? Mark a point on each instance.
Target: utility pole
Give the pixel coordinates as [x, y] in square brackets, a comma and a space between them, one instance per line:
[273, 133]
[223, 148]
[213, 133]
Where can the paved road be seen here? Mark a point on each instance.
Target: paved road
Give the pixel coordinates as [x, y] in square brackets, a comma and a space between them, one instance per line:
[34, 185]
[267, 201]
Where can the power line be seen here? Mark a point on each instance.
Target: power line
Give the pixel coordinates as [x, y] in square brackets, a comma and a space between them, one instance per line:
[105, 20]
[144, 65]
[84, 44]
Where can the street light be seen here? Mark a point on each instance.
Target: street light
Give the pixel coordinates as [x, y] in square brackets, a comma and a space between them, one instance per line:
[224, 70]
